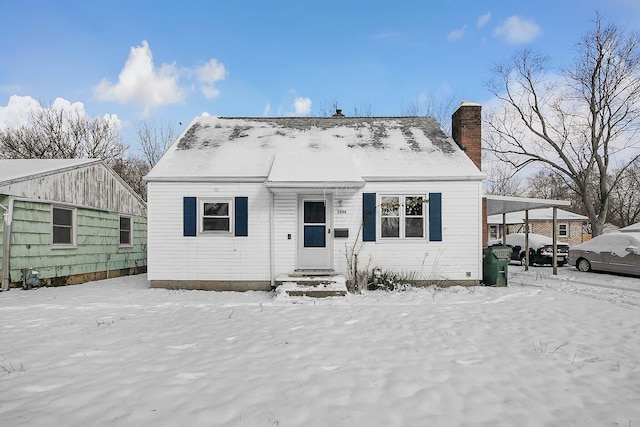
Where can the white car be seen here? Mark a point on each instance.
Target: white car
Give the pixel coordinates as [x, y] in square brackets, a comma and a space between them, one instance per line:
[613, 252]
[540, 248]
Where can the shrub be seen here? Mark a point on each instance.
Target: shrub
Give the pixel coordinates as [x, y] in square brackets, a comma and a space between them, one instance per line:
[392, 281]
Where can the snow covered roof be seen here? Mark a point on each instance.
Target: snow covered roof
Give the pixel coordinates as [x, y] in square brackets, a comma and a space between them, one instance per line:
[631, 228]
[301, 151]
[544, 214]
[12, 170]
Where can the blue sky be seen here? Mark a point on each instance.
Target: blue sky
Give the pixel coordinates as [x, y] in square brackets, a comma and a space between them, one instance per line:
[169, 62]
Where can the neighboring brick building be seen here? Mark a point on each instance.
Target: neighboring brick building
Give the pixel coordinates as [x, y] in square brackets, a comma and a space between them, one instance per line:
[570, 225]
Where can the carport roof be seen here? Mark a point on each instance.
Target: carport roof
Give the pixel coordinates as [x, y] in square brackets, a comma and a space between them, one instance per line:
[506, 204]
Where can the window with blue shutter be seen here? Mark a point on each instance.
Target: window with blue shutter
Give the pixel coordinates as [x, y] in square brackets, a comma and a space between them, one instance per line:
[241, 216]
[369, 217]
[435, 217]
[190, 216]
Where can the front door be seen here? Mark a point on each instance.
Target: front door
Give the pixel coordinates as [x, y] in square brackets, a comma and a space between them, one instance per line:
[315, 241]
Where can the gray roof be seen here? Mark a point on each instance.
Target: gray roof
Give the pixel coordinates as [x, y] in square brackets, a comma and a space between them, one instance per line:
[13, 170]
[322, 149]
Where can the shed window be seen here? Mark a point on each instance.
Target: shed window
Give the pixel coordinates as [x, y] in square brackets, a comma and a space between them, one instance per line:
[63, 226]
[126, 231]
[216, 216]
[402, 217]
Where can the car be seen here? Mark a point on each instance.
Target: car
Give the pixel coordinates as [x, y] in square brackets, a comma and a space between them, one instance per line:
[540, 248]
[613, 253]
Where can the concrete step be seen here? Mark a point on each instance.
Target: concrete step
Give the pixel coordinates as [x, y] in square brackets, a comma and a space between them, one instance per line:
[311, 286]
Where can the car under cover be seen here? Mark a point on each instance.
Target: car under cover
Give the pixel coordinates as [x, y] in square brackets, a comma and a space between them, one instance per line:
[539, 247]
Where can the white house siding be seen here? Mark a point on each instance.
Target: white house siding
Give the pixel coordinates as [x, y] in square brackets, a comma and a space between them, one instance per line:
[456, 258]
[213, 257]
[227, 258]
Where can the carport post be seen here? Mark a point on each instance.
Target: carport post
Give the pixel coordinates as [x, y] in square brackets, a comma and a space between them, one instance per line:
[526, 240]
[504, 229]
[555, 241]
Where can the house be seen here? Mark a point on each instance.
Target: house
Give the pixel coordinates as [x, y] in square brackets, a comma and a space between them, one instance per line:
[236, 203]
[71, 220]
[570, 225]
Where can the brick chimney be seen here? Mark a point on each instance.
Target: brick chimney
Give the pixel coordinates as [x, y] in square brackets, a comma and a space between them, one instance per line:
[466, 130]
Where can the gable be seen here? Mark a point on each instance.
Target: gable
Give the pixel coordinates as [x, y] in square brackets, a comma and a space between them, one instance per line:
[86, 183]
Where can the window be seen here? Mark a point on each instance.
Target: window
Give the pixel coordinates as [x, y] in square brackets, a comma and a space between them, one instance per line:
[402, 217]
[126, 231]
[493, 232]
[315, 224]
[63, 222]
[563, 230]
[523, 229]
[215, 216]
[390, 216]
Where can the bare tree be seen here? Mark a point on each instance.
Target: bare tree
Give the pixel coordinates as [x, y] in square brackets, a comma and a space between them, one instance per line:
[502, 181]
[440, 108]
[625, 198]
[58, 133]
[154, 140]
[133, 170]
[580, 124]
[364, 110]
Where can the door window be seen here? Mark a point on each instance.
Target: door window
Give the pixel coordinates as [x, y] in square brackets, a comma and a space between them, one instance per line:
[314, 224]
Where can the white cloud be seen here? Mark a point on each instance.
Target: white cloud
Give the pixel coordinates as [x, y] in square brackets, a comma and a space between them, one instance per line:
[267, 110]
[143, 83]
[302, 106]
[484, 19]
[17, 111]
[210, 92]
[210, 73]
[385, 36]
[456, 34]
[517, 30]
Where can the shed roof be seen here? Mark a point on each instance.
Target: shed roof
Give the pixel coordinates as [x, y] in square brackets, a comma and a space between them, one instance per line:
[13, 170]
[307, 150]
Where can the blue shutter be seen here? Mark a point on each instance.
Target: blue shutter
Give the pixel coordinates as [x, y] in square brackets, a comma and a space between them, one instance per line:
[369, 217]
[190, 216]
[242, 216]
[435, 217]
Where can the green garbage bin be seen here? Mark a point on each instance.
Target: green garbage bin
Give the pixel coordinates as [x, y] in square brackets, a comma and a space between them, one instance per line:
[494, 265]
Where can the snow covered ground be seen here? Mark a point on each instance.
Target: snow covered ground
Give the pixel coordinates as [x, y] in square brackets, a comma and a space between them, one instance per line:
[553, 351]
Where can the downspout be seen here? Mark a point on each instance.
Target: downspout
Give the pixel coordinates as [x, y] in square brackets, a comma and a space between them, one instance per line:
[554, 257]
[6, 246]
[526, 240]
[271, 240]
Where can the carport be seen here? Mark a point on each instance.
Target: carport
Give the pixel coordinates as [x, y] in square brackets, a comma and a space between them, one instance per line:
[505, 204]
